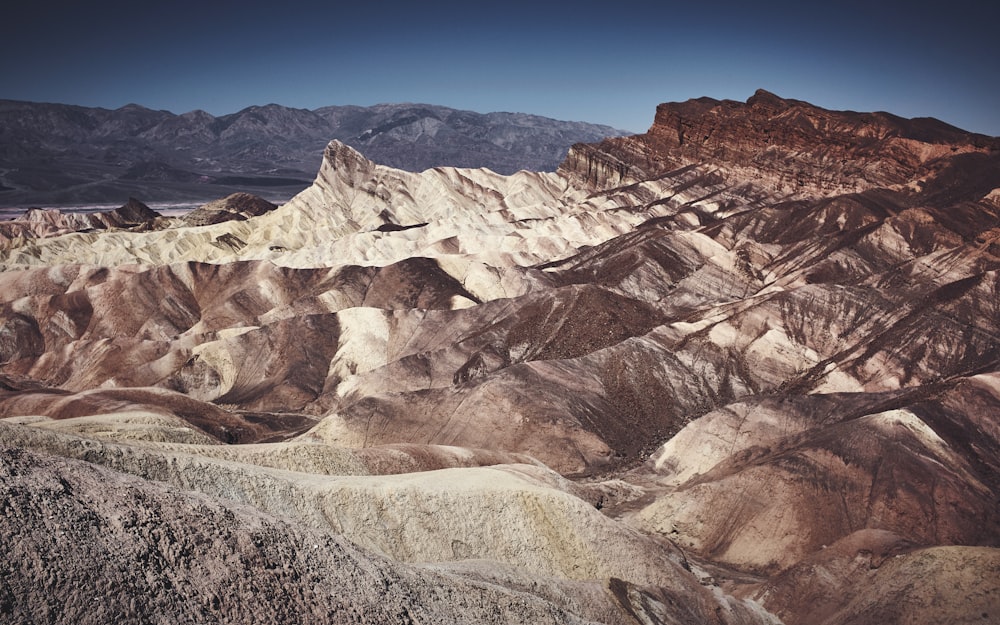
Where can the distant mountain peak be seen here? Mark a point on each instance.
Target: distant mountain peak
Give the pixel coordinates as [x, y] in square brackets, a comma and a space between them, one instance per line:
[762, 97]
[61, 154]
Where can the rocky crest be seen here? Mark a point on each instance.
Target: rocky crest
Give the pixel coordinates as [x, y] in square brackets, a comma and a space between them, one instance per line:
[38, 223]
[785, 147]
[664, 384]
[237, 206]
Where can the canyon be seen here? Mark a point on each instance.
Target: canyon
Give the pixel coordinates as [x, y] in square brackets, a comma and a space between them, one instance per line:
[743, 368]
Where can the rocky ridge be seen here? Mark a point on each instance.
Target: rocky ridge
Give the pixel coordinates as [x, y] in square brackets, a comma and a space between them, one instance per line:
[787, 148]
[668, 371]
[39, 223]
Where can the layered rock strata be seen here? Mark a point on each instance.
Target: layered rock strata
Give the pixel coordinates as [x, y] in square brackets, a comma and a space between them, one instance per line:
[742, 368]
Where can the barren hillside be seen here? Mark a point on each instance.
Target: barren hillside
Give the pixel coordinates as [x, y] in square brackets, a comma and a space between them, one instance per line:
[743, 368]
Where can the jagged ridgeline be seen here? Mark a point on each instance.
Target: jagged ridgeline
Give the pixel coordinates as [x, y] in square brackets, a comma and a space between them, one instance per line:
[742, 368]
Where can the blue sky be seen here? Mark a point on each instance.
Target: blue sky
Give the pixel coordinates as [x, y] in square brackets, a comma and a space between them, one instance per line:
[609, 62]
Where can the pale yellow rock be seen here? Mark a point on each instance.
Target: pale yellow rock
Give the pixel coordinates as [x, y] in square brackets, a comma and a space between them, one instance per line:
[469, 217]
[130, 426]
[511, 515]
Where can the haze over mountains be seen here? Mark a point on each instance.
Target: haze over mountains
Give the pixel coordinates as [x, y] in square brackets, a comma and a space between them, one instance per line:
[742, 368]
[53, 154]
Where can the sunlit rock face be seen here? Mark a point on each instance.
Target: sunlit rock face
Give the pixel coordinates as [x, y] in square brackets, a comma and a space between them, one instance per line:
[744, 368]
[788, 148]
[40, 223]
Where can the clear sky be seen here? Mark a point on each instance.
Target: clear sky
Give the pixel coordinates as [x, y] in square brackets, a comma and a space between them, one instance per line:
[610, 62]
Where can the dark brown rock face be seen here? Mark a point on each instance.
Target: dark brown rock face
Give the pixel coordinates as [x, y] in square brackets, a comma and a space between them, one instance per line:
[239, 206]
[787, 147]
[744, 367]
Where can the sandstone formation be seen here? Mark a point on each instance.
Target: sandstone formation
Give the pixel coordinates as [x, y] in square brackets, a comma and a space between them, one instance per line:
[744, 368]
[236, 206]
[41, 223]
[787, 147]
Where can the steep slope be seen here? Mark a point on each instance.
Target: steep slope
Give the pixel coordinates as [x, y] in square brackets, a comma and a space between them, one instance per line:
[788, 148]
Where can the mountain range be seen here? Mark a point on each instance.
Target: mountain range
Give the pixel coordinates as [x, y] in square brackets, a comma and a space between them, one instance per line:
[743, 368]
[55, 154]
